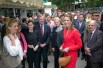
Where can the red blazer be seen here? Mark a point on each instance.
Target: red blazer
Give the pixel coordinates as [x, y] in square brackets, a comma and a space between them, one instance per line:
[72, 40]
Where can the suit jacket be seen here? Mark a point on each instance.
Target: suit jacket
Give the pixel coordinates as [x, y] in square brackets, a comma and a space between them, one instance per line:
[57, 37]
[101, 26]
[96, 46]
[46, 37]
[81, 29]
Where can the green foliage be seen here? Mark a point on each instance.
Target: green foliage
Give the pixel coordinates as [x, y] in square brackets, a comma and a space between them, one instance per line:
[88, 4]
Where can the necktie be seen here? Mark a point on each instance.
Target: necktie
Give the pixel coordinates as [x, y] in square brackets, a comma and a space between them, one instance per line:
[91, 34]
[42, 30]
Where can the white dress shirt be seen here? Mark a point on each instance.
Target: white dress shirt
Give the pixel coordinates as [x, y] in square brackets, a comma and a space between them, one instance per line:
[93, 33]
[80, 24]
[13, 50]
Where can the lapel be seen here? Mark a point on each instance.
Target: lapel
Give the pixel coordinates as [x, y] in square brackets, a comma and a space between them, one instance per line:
[82, 25]
[44, 29]
[93, 37]
[77, 25]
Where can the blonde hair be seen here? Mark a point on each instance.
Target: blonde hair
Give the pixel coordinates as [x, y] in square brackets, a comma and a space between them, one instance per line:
[11, 21]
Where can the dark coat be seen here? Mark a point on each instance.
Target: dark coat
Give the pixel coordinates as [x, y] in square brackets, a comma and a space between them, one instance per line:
[96, 46]
[46, 37]
[57, 38]
[81, 29]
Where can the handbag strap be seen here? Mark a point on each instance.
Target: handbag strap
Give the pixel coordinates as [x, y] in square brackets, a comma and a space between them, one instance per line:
[62, 54]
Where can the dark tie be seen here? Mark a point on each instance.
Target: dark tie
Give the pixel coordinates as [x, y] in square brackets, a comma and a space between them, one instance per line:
[91, 34]
[42, 30]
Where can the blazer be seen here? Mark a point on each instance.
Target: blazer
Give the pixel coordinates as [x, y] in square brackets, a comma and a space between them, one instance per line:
[101, 26]
[81, 29]
[33, 38]
[57, 37]
[24, 45]
[47, 33]
[96, 46]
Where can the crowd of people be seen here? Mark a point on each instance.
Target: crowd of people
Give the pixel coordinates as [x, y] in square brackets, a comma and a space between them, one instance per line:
[70, 33]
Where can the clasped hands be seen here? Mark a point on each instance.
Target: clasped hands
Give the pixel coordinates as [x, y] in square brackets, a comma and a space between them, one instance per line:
[34, 48]
[42, 45]
[64, 49]
[88, 51]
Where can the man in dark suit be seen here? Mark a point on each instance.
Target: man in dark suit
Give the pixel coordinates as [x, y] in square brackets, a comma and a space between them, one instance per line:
[94, 45]
[57, 40]
[24, 29]
[44, 31]
[80, 25]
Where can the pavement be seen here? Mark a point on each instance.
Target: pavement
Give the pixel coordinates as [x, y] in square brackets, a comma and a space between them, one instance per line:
[80, 63]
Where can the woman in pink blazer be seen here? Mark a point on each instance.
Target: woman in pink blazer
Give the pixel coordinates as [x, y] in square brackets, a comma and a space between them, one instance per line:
[23, 44]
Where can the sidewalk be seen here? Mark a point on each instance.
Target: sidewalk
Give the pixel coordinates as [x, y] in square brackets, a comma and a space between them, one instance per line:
[80, 63]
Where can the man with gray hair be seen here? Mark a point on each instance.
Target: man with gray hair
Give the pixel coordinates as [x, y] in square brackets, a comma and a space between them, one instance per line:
[94, 45]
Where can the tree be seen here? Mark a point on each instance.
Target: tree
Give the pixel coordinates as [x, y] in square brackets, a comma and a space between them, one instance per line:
[68, 4]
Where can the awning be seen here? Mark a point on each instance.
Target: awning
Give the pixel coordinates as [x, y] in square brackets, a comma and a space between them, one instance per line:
[23, 3]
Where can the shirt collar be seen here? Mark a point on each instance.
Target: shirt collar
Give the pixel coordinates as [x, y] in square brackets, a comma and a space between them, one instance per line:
[41, 24]
[93, 31]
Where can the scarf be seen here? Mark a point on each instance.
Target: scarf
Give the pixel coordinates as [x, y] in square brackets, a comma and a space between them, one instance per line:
[59, 28]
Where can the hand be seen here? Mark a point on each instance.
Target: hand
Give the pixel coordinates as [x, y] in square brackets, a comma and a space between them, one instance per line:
[61, 49]
[12, 39]
[24, 54]
[53, 49]
[87, 50]
[30, 46]
[36, 48]
[42, 45]
[66, 50]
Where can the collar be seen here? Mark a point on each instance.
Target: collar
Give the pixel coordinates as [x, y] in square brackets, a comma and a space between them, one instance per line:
[41, 25]
[93, 31]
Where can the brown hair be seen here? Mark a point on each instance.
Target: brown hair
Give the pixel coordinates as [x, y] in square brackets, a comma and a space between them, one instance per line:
[71, 19]
[9, 24]
[6, 19]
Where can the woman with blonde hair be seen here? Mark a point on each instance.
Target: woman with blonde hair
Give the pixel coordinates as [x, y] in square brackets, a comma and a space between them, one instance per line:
[13, 48]
[72, 42]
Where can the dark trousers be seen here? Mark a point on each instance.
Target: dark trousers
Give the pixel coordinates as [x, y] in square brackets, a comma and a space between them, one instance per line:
[23, 62]
[82, 49]
[32, 58]
[56, 56]
[44, 56]
[88, 64]
[95, 65]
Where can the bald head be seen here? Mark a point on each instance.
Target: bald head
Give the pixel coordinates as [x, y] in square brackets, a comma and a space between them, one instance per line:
[93, 25]
[93, 22]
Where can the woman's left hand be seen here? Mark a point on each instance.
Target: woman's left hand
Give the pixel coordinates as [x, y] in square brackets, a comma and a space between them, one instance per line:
[65, 49]
[24, 54]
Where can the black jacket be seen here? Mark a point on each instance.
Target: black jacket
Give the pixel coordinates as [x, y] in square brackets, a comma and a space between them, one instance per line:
[46, 37]
[57, 38]
[96, 46]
